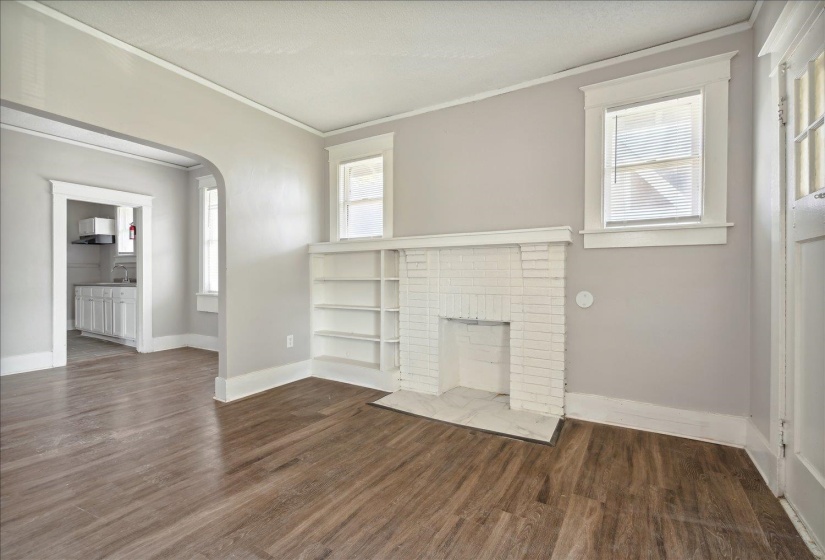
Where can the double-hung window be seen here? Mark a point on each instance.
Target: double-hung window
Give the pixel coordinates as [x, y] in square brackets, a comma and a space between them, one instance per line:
[656, 150]
[360, 174]
[653, 162]
[124, 238]
[209, 263]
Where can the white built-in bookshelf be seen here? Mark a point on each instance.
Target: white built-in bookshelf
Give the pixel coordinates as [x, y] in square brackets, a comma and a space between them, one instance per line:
[355, 309]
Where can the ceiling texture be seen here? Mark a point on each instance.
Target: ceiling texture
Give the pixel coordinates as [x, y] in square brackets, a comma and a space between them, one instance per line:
[27, 122]
[332, 65]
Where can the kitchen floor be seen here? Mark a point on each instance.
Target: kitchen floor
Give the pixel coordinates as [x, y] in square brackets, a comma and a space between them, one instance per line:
[81, 348]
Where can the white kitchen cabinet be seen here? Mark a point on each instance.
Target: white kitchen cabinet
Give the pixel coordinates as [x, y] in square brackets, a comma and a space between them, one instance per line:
[125, 318]
[107, 311]
[96, 226]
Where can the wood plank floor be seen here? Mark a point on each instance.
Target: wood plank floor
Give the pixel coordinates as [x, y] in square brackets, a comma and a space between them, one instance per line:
[129, 457]
[80, 348]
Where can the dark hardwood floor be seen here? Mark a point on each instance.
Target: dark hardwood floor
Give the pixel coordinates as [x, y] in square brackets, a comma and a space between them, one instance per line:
[129, 457]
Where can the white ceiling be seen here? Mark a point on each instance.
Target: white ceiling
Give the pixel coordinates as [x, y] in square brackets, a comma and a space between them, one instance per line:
[336, 64]
[33, 123]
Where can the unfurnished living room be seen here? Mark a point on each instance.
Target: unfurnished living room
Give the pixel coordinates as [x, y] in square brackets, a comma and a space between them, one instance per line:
[412, 279]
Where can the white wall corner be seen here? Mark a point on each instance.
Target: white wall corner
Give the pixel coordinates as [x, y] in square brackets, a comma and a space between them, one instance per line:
[26, 362]
[234, 388]
[761, 453]
[703, 426]
[356, 375]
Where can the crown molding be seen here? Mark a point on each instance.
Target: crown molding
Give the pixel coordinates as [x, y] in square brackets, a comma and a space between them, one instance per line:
[63, 18]
[39, 134]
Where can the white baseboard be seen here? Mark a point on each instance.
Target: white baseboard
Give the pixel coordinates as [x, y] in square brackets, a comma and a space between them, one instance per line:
[704, 426]
[235, 388]
[201, 341]
[355, 375]
[26, 362]
[760, 451]
[161, 343]
[70, 324]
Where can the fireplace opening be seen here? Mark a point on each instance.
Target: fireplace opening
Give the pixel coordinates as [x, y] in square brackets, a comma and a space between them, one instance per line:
[474, 354]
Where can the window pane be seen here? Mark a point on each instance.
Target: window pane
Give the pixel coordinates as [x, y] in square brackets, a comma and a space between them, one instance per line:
[819, 85]
[210, 241]
[801, 104]
[818, 162]
[361, 192]
[653, 162]
[125, 218]
[802, 169]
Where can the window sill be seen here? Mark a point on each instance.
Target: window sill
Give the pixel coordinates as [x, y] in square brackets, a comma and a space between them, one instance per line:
[208, 303]
[657, 236]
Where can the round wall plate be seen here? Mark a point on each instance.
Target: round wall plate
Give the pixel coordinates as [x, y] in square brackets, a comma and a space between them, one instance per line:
[584, 299]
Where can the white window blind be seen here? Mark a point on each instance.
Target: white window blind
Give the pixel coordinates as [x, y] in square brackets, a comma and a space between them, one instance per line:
[125, 218]
[210, 241]
[653, 160]
[361, 198]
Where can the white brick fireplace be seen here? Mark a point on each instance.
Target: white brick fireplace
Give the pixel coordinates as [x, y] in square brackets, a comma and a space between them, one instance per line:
[448, 317]
[521, 285]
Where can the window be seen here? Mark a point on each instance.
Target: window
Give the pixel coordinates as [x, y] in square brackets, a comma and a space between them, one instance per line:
[209, 261]
[653, 163]
[361, 192]
[125, 219]
[360, 175]
[656, 157]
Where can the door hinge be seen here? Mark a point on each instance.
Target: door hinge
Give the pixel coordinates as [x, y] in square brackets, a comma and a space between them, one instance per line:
[781, 110]
[782, 439]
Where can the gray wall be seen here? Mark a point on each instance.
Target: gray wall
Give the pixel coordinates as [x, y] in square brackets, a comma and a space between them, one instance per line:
[28, 162]
[270, 173]
[765, 193]
[669, 325]
[199, 321]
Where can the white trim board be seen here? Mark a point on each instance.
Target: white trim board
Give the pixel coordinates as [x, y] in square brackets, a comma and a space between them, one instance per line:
[562, 234]
[758, 449]
[703, 426]
[234, 388]
[200, 341]
[356, 375]
[94, 147]
[701, 37]
[24, 363]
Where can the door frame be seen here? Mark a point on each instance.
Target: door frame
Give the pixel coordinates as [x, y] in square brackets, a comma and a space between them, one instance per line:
[796, 19]
[62, 192]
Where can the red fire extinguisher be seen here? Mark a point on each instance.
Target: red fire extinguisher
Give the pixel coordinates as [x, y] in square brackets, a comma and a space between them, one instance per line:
[132, 230]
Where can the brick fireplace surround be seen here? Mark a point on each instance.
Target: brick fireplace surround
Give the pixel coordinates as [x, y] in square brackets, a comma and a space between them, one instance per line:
[522, 285]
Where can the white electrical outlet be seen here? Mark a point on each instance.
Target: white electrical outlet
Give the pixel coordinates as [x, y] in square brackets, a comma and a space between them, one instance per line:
[289, 341]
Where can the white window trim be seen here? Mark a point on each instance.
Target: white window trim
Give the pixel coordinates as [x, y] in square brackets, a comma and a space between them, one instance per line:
[124, 257]
[711, 76]
[359, 149]
[205, 301]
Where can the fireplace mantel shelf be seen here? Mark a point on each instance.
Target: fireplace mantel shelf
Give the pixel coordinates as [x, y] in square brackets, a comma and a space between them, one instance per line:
[560, 235]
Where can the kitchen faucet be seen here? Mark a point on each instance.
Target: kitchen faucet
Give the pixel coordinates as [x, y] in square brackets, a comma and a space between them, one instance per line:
[125, 278]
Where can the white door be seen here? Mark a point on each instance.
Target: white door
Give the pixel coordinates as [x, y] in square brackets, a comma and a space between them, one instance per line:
[805, 343]
[108, 317]
[78, 312]
[129, 319]
[97, 315]
[87, 314]
[117, 318]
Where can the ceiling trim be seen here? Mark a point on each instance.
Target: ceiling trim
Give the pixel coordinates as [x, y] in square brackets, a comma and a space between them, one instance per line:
[63, 18]
[693, 39]
[39, 134]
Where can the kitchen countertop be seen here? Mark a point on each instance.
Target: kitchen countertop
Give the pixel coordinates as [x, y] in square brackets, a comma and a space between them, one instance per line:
[111, 284]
